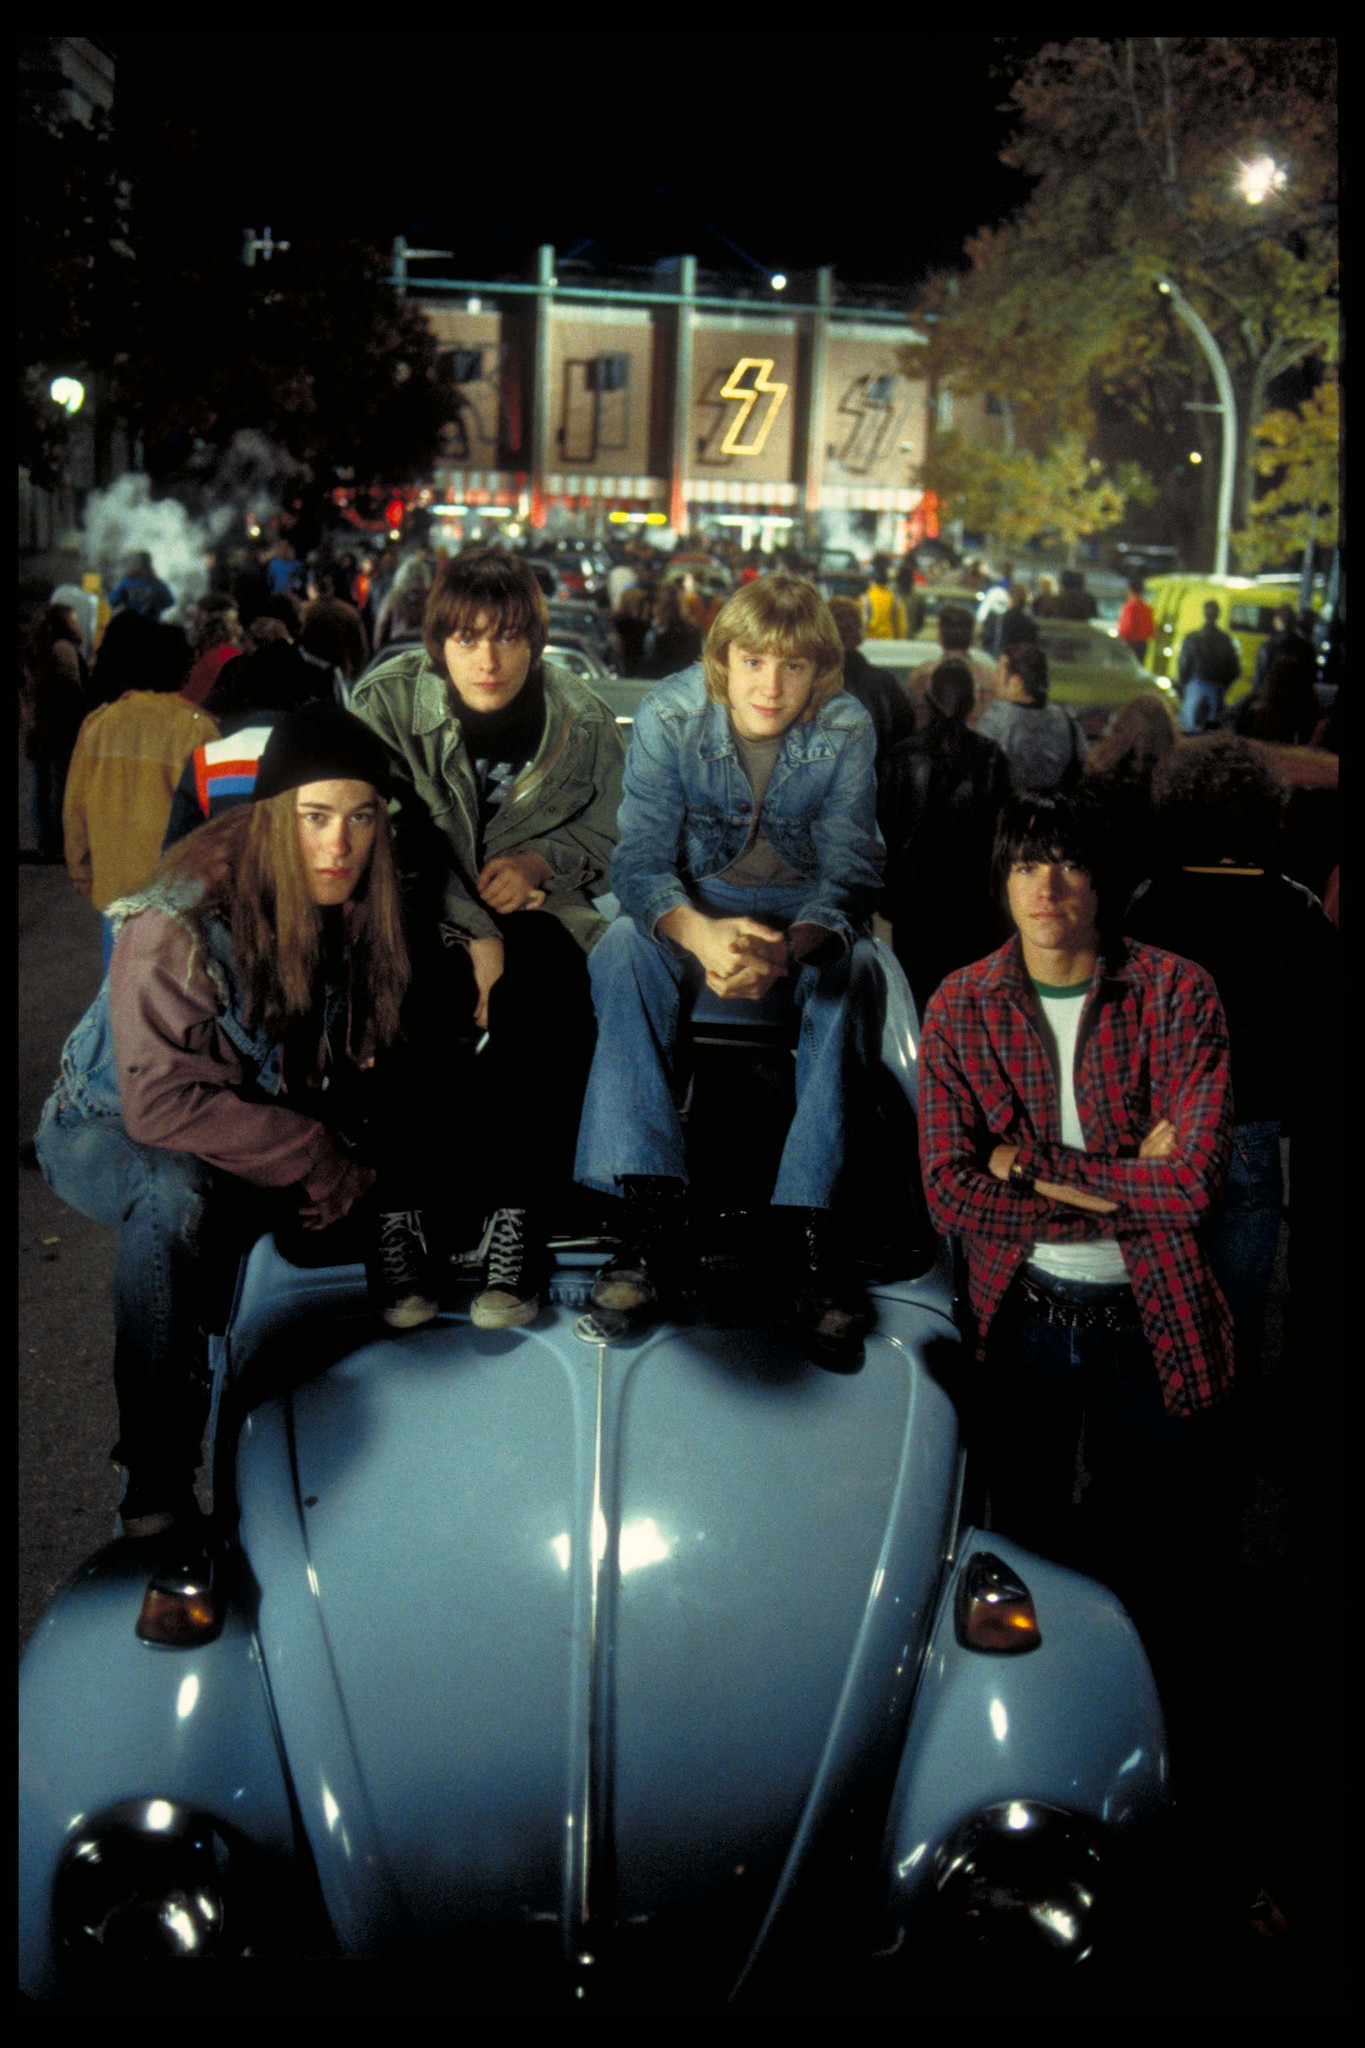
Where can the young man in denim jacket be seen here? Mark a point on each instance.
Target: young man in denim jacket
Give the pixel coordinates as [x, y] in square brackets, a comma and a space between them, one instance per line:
[749, 855]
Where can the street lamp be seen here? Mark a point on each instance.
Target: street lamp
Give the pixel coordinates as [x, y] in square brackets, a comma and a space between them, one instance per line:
[68, 393]
[1227, 405]
[1258, 179]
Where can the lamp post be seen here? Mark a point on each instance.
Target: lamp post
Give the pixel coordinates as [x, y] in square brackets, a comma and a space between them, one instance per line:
[1227, 405]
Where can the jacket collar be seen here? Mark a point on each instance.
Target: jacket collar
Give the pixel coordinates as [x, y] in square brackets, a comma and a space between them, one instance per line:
[809, 742]
[1004, 972]
[431, 698]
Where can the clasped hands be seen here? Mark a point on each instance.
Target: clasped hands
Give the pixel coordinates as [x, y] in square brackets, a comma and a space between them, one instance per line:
[741, 957]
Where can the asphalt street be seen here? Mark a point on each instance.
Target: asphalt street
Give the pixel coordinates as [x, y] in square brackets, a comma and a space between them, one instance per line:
[1285, 1630]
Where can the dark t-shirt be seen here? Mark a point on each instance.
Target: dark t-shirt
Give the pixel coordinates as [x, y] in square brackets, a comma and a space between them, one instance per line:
[500, 744]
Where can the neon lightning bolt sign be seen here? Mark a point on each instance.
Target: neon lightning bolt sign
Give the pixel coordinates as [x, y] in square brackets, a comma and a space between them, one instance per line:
[748, 397]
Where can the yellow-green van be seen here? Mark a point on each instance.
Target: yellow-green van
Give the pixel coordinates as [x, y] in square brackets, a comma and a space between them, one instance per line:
[1246, 606]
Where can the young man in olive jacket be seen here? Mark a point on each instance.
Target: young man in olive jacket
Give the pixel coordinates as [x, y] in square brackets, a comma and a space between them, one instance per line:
[508, 773]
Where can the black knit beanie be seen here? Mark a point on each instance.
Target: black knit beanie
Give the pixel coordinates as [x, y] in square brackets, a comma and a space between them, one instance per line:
[319, 743]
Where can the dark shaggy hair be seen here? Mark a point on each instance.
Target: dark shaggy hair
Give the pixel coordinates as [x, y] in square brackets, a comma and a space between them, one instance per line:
[1218, 800]
[1044, 826]
[955, 625]
[1029, 663]
[484, 580]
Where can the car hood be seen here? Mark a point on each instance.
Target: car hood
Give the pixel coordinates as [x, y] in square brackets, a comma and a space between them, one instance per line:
[583, 1640]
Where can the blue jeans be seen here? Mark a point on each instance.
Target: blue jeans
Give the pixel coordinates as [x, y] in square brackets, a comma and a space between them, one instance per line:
[1199, 703]
[1241, 1240]
[181, 1227]
[640, 986]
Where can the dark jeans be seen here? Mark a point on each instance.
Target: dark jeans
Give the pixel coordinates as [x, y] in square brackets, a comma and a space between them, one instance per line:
[47, 786]
[1158, 1484]
[515, 1104]
[1241, 1240]
[1158, 1520]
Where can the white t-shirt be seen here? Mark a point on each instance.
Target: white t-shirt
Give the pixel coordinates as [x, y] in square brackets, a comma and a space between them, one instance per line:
[1100, 1261]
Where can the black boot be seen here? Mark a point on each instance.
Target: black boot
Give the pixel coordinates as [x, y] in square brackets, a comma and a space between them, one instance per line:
[646, 1275]
[833, 1313]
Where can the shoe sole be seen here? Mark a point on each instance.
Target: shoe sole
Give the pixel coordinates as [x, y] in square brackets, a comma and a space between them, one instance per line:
[512, 1317]
[624, 1297]
[410, 1315]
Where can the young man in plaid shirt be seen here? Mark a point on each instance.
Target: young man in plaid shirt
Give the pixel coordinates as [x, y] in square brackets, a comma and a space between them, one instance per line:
[1076, 1116]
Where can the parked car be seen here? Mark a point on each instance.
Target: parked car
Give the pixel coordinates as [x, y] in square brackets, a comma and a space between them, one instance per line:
[839, 573]
[551, 577]
[1093, 672]
[1247, 607]
[1089, 671]
[555, 1665]
[580, 658]
[582, 564]
[580, 621]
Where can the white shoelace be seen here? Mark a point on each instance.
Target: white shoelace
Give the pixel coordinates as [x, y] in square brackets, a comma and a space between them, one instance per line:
[505, 1249]
[401, 1243]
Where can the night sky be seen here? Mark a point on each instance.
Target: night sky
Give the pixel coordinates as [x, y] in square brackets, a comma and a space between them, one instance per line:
[878, 156]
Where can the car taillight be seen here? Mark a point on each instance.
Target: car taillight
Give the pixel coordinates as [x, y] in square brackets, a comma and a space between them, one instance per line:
[995, 1610]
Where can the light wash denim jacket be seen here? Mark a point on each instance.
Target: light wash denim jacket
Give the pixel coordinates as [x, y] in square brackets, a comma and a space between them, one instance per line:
[688, 809]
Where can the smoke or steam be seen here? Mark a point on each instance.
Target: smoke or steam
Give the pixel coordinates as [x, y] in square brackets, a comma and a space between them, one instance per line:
[246, 484]
[123, 519]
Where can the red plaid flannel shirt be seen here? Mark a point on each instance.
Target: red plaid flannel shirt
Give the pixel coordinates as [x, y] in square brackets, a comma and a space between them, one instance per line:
[1152, 1043]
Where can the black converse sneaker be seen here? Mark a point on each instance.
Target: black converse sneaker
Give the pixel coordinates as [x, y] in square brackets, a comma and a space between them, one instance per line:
[396, 1268]
[513, 1273]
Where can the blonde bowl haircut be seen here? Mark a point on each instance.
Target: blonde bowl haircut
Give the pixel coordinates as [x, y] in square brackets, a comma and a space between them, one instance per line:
[253, 872]
[782, 615]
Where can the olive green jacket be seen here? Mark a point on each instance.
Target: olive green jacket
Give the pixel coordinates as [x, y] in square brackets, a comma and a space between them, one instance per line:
[562, 807]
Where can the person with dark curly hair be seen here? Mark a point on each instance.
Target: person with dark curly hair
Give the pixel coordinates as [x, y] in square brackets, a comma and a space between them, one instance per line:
[1075, 1125]
[1220, 899]
[1120, 769]
[940, 794]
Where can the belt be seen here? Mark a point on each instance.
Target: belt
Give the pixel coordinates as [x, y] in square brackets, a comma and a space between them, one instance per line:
[1119, 1312]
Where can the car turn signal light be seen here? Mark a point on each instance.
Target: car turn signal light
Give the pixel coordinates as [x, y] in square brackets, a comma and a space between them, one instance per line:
[995, 1610]
[183, 1604]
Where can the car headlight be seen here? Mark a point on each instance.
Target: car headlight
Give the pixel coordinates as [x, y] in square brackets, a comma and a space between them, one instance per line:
[146, 1881]
[1024, 1878]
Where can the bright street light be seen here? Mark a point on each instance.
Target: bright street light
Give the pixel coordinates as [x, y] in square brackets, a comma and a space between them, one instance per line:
[779, 282]
[1258, 179]
[68, 393]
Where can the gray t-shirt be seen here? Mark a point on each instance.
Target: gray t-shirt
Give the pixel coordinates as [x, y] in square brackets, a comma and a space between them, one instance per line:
[1042, 742]
[759, 865]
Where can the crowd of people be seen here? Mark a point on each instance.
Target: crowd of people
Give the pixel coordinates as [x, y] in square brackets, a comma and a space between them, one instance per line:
[321, 889]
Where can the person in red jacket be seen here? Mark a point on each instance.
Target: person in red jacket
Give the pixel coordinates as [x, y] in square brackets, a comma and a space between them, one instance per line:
[1137, 621]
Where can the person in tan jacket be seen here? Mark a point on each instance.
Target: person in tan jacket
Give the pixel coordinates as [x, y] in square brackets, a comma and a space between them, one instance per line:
[124, 769]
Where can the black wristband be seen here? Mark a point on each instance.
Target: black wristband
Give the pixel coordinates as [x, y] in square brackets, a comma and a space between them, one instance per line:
[1020, 1178]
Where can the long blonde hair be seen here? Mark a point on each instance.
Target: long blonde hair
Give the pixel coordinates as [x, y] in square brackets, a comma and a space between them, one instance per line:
[252, 870]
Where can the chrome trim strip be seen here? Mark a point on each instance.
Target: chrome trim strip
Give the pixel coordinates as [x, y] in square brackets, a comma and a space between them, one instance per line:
[597, 1543]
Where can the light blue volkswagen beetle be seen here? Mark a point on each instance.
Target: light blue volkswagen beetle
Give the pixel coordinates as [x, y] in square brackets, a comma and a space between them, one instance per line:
[550, 1667]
